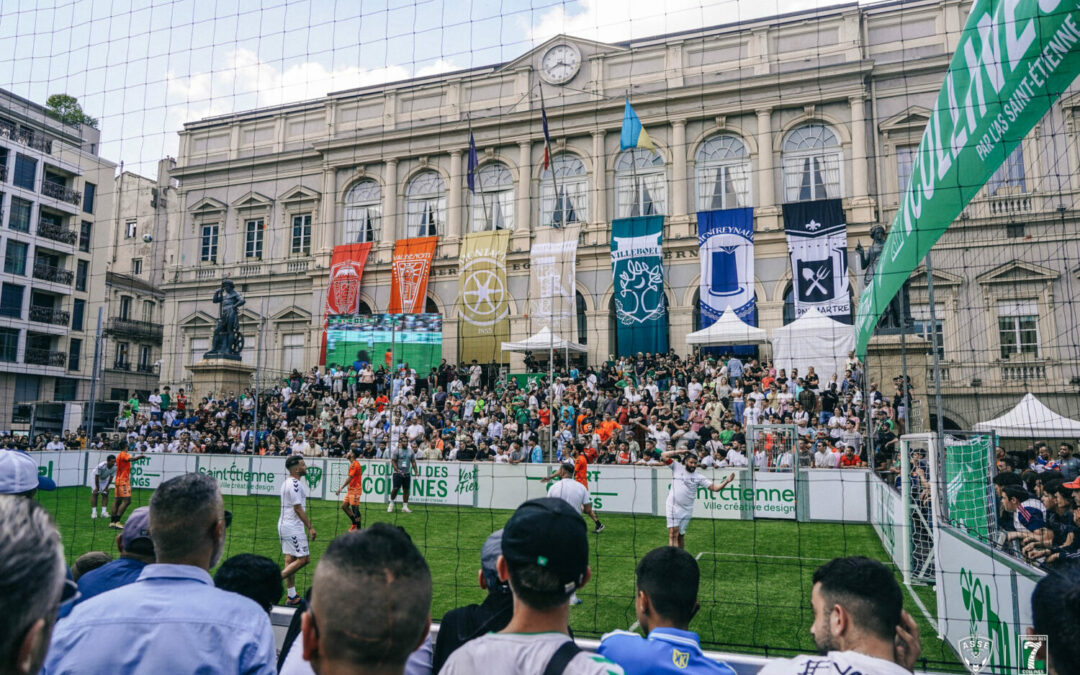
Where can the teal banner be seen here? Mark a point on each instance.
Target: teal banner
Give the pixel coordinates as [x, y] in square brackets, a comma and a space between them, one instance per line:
[637, 263]
[1013, 60]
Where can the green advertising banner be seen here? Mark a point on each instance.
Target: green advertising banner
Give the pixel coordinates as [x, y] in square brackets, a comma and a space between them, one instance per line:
[1014, 59]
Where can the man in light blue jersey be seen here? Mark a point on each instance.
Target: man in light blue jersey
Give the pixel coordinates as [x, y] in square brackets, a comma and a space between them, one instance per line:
[664, 610]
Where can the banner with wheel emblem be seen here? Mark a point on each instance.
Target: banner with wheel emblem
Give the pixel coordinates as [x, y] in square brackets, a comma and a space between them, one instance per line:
[637, 263]
[817, 243]
[483, 299]
[343, 290]
[409, 271]
[552, 269]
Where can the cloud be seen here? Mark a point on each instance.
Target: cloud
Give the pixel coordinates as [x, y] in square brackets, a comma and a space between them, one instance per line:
[622, 20]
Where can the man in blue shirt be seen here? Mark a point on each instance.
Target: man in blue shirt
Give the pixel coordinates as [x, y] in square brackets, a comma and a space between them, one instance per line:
[136, 552]
[664, 609]
[172, 619]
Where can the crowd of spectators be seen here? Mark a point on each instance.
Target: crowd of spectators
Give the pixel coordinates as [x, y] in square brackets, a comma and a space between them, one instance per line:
[626, 410]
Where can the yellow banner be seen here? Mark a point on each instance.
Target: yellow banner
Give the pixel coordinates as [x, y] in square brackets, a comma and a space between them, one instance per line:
[483, 297]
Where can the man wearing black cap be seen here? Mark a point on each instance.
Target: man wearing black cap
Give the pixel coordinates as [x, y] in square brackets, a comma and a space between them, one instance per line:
[136, 552]
[545, 551]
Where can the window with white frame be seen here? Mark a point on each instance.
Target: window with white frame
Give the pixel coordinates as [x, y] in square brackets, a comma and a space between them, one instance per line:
[640, 184]
[492, 205]
[254, 230]
[1010, 174]
[301, 234]
[811, 163]
[292, 352]
[208, 243]
[905, 160]
[199, 346]
[148, 311]
[425, 205]
[572, 205]
[136, 265]
[934, 329]
[363, 212]
[1018, 327]
[131, 229]
[723, 173]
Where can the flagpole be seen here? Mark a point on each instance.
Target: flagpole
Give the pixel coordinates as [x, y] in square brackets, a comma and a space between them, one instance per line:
[478, 182]
[558, 207]
[633, 173]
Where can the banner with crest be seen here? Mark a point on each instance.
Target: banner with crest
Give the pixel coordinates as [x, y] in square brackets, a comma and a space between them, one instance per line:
[409, 272]
[726, 238]
[483, 297]
[817, 243]
[343, 291]
[552, 269]
[637, 262]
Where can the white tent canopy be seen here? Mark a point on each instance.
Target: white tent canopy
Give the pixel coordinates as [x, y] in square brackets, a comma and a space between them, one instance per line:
[814, 340]
[1031, 418]
[543, 342]
[729, 329]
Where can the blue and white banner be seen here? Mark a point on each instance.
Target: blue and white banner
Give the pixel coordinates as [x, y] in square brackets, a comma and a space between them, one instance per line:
[817, 243]
[727, 263]
[637, 261]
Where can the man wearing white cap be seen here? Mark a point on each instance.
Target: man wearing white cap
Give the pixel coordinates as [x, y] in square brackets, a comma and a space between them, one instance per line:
[19, 475]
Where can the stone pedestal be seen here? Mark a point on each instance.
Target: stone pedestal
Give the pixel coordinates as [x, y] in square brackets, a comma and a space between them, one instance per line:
[220, 376]
[884, 362]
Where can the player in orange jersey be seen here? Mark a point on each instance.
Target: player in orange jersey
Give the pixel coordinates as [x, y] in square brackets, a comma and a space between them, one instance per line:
[123, 486]
[351, 505]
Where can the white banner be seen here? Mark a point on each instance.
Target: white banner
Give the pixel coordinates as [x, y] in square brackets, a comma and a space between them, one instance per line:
[552, 269]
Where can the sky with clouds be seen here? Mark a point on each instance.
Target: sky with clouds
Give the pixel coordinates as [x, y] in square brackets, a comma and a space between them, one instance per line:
[145, 67]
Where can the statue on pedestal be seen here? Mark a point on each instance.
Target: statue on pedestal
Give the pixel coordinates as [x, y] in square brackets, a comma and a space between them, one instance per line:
[228, 341]
[898, 314]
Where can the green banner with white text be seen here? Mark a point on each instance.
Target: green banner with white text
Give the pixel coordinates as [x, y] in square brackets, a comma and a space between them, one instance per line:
[1014, 59]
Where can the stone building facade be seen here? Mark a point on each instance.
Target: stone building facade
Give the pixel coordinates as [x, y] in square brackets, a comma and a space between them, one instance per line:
[829, 103]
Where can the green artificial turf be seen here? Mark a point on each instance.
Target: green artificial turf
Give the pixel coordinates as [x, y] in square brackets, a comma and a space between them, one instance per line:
[755, 575]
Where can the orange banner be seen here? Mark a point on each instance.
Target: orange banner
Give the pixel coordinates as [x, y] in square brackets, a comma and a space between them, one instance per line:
[409, 272]
[343, 291]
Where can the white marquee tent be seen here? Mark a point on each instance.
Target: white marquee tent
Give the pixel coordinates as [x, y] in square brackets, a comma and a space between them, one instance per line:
[1031, 418]
[729, 329]
[543, 342]
[813, 340]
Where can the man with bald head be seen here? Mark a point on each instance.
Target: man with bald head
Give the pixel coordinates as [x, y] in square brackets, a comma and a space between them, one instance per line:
[370, 603]
[171, 619]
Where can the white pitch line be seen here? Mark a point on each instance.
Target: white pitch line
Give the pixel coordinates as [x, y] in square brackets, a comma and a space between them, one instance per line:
[698, 556]
[930, 619]
[755, 555]
[634, 626]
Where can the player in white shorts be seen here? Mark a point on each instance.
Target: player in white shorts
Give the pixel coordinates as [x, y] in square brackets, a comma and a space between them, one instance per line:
[103, 476]
[685, 481]
[576, 495]
[294, 524]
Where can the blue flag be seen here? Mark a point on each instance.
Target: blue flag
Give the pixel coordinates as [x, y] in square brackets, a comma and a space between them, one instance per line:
[638, 267]
[633, 134]
[474, 162]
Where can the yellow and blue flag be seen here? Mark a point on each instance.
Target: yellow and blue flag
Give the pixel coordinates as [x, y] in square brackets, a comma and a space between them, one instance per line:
[633, 134]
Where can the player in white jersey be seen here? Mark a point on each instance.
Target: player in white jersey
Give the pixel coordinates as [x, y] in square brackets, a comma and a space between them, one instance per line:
[294, 524]
[685, 481]
[103, 476]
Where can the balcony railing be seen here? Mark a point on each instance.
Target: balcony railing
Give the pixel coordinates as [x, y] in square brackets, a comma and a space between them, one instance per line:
[57, 232]
[26, 137]
[57, 317]
[44, 357]
[121, 365]
[61, 192]
[146, 368]
[145, 330]
[58, 275]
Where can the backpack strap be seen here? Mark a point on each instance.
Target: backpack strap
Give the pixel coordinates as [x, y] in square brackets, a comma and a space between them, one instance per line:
[562, 658]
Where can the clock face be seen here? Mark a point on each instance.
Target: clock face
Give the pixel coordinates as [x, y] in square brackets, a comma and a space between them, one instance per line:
[560, 64]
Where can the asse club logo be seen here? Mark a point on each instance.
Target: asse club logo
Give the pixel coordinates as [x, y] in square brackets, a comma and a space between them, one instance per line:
[313, 476]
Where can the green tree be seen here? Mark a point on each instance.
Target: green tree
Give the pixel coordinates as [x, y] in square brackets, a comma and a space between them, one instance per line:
[67, 109]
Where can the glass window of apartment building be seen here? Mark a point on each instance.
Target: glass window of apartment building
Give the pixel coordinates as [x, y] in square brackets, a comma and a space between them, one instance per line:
[148, 311]
[905, 160]
[722, 165]
[89, 190]
[25, 172]
[301, 234]
[19, 220]
[78, 313]
[1018, 327]
[15, 257]
[640, 184]
[131, 229]
[11, 300]
[811, 163]
[82, 272]
[65, 389]
[9, 344]
[572, 205]
[363, 212]
[253, 238]
[208, 243]
[85, 231]
[123, 355]
[125, 307]
[292, 352]
[1010, 174]
[425, 205]
[493, 201]
[199, 346]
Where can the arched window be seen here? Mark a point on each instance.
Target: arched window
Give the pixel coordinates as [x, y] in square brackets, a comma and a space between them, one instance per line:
[811, 163]
[640, 184]
[425, 205]
[723, 173]
[493, 201]
[363, 212]
[363, 309]
[430, 307]
[582, 318]
[572, 206]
